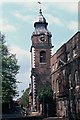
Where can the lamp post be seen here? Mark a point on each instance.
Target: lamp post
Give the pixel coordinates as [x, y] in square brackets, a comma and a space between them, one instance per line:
[72, 103]
[70, 98]
[77, 102]
[69, 105]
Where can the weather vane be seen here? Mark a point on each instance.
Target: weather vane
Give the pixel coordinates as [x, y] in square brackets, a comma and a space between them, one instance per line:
[40, 5]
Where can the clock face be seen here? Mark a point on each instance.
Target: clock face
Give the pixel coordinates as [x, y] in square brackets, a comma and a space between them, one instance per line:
[42, 38]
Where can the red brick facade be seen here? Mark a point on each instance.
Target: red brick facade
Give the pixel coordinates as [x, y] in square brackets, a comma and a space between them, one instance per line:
[65, 74]
[62, 70]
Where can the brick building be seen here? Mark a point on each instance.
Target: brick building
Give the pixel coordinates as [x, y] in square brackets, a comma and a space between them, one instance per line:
[65, 74]
[62, 70]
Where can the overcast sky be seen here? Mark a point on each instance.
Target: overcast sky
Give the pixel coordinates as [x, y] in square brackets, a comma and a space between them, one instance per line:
[16, 22]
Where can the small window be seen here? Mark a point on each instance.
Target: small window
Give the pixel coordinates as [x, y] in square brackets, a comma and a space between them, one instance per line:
[64, 72]
[56, 65]
[42, 57]
[53, 68]
[74, 53]
[68, 56]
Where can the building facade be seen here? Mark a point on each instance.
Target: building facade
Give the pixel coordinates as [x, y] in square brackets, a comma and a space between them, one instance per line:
[62, 69]
[65, 74]
[40, 58]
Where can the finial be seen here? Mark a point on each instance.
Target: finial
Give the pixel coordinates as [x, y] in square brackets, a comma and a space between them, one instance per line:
[40, 7]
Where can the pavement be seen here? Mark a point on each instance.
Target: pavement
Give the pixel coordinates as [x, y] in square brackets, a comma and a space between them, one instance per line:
[55, 118]
[48, 118]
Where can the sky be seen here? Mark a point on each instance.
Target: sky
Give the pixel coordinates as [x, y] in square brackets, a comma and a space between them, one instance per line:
[17, 19]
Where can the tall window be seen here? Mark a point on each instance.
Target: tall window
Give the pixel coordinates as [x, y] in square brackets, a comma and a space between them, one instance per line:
[70, 82]
[57, 86]
[42, 57]
[76, 79]
[53, 68]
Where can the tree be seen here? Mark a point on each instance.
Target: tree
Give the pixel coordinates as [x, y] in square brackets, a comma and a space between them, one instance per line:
[9, 72]
[25, 97]
[45, 95]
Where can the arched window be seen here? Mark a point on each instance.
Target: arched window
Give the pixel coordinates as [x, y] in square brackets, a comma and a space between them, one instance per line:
[42, 57]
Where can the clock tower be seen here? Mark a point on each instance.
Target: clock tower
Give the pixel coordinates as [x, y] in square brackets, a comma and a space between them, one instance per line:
[40, 57]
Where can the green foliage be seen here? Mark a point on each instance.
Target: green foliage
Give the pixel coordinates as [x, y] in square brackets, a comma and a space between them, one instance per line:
[9, 72]
[25, 98]
[45, 93]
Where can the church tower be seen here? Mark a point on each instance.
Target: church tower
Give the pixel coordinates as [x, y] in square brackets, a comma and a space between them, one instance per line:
[40, 57]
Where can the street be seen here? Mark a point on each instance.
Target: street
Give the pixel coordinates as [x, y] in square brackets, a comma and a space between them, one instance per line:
[36, 118]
